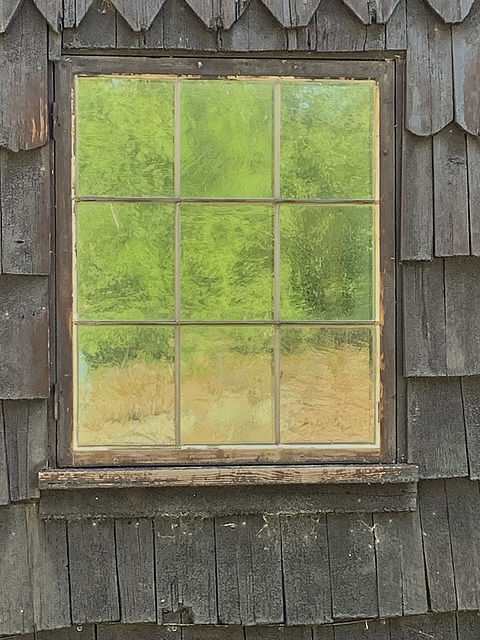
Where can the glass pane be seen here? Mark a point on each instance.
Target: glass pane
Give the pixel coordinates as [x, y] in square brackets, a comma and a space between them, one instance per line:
[327, 385]
[125, 258]
[226, 138]
[327, 270]
[227, 262]
[124, 137]
[126, 389]
[226, 392]
[328, 139]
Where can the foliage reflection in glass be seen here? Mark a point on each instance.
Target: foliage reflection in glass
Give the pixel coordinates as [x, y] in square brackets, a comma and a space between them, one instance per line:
[126, 390]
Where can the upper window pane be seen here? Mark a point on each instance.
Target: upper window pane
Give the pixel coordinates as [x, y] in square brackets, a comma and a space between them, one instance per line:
[124, 137]
[328, 140]
[226, 133]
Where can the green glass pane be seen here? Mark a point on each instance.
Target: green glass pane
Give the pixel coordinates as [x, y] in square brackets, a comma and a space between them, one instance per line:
[226, 390]
[327, 140]
[124, 137]
[226, 139]
[125, 384]
[327, 264]
[227, 262]
[125, 255]
[327, 387]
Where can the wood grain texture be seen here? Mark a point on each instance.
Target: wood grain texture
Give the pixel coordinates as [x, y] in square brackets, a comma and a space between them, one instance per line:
[7, 11]
[417, 198]
[437, 545]
[178, 27]
[277, 633]
[122, 631]
[338, 29]
[23, 99]
[136, 569]
[429, 92]
[450, 10]
[74, 11]
[185, 570]
[4, 479]
[50, 577]
[438, 627]
[16, 607]
[352, 566]
[93, 571]
[25, 212]
[463, 503]
[462, 302]
[249, 570]
[467, 625]
[466, 67]
[473, 162]
[217, 632]
[400, 564]
[306, 570]
[371, 630]
[451, 218]
[424, 319]
[370, 12]
[471, 411]
[27, 441]
[396, 28]
[97, 29]
[294, 13]
[140, 14]
[435, 415]
[218, 14]
[255, 31]
[24, 337]
[52, 11]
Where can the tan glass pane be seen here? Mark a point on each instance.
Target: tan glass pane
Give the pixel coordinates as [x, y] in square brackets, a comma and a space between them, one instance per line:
[124, 137]
[327, 385]
[327, 133]
[126, 390]
[226, 138]
[227, 262]
[327, 263]
[125, 256]
[226, 390]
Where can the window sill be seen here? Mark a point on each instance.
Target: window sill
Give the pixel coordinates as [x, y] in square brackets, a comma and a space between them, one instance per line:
[221, 491]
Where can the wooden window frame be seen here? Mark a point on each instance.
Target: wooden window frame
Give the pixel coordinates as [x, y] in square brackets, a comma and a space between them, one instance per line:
[383, 71]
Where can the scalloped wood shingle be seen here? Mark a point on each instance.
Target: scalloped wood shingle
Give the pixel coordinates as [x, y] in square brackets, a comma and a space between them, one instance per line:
[74, 11]
[292, 13]
[452, 10]
[219, 14]
[52, 11]
[372, 11]
[466, 66]
[7, 11]
[140, 14]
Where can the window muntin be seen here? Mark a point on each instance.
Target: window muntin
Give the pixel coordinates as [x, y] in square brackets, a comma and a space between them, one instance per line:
[287, 331]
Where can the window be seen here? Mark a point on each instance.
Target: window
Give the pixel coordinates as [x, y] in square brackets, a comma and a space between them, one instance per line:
[225, 261]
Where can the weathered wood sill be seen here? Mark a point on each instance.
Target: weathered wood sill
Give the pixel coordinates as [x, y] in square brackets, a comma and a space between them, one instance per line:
[221, 491]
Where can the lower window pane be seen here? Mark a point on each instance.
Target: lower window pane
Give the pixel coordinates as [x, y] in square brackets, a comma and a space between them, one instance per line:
[226, 390]
[327, 387]
[126, 390]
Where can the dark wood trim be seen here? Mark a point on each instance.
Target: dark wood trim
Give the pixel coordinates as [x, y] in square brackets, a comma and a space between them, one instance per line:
[382, 71]
[206, 476]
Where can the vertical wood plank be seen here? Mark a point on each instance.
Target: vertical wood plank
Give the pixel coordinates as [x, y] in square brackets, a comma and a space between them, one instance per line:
[396, 28]
[219, 14]
[23, 99]
[400, 566]
[369, 12]
[429, 95]
[435, 415]
[452, 233]
[136, 569]
[249, 573]
[424, 319]
[185, 570]
[473, 161]
[255, 31]
[466, 68]
[93, 571]
[471, 410]
[338, 29]
[306, 570]
[462, 302]
[463, 503]
[352, 566]
[296, 13]
[177, 27]
[16, 608]
[25, 212]
[417, 198]
[4, 482]
[50, 580]
[96, 30]
[437, 547]
[24, 337]
[140, 14]
[74, 11]
[26, 429]
[451, 11]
